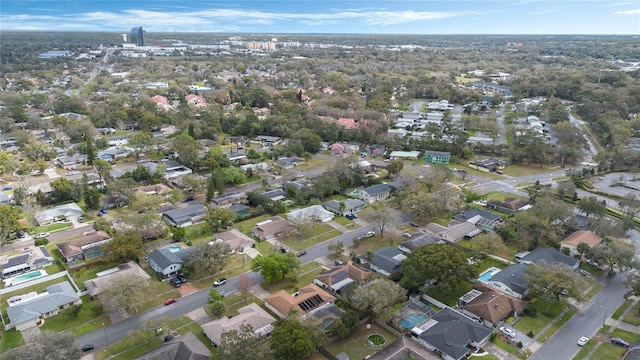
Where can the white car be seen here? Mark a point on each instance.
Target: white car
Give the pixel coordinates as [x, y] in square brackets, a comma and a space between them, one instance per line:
[42, 235]
[583, 341]
[406, 234]
[370, 234]
[509, 332]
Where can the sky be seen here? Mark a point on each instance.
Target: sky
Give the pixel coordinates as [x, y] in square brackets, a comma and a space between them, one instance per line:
[588, 17]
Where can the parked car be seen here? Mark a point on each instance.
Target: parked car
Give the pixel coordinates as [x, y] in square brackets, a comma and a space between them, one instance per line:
[81, 219]
[103, 210]
[175, 282]
[189, 198]
[338, 263]
[170, 301]
[583, 341]
[413, 224]
[509, 332]
[284, 250]
[168, 338]
[300, 253]
[370, 234]
[351, 216]
[21, 234]
[182, 278]
[619, 341]
[87, 347]
[583, 272]
[406, 234]
[42, 235]
[219, 282]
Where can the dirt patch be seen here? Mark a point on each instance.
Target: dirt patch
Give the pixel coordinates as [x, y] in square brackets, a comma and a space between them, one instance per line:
[186, 289]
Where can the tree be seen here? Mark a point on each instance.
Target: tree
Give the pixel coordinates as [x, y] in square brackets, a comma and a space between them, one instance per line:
[146, 224]
[590, 205]
[179, 233]
[244, 285]
[103, 168]
[289, 341]
[550, 281]
[146, 203]
[275, 265]
[219, 218]
[211, 258]
[46, 345]
[469, 196]
[211, 189]
[217, 308]
[381, 215]
[336, 247]
[395, 166]
[374, 297]
[91, 152]
[443, 264]
[612, 255]
[139, 142]
[187, 149]
[241, 344]
[583, 249]
[8, 163]
[9, 217]
[490, 243]
[125, 292]
[125, 245]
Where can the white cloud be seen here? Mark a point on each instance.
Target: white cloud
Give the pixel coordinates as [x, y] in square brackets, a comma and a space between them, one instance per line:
[628, 12]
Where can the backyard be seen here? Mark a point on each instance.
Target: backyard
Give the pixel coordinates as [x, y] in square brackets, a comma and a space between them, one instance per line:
[355, 346]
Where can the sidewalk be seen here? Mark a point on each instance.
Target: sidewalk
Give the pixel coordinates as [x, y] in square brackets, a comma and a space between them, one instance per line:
[619, 324]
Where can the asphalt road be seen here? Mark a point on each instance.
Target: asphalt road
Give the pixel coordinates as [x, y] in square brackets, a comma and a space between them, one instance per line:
[563, 345]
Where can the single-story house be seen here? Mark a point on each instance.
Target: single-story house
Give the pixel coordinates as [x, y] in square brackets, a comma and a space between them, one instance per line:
[236, 240]
[452, 333]
[289, 162]
[275, 194]
[297, 184]
[416, 240]
[185, 347]
[437, 157]
[65, 161]
[487, 165]
[25, 311]
[173, 169]
[351, 206]
[268, 141]
[511, 280]
[401, 133]
[66, 212]
[336, 278]
[304, 300]
[113, 154]
[387, 261]
[373, 150]
[186, 216]
[237, 156]
[572, 241]
[260, 320]
[263, 166]
[168, 261]
[156, 189]
[310, 213]
[30, 258]
[84, 248]
[375, 193]
[455, 232]
[105, 279]
[239, 209]
[549, 255]
[489, 306]
[226, 200]
[272, 228]
[411, 155]
[466, 215]
[348, 123]
[510, 205]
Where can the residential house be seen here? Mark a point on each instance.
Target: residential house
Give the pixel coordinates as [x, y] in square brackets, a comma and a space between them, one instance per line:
[240, 209]
[511, 280]
[348, 123]
[387, 261]
[185, 347]
[173, 169]
[399, 133]
[268, 141]
[453, 334]
[275, 194]
[263, 166]
[306, 299]
[118, 140]
[113, 154]
[155, 189]
[416, 240]
[483, 219]
[487, 165]
[66, 212]
[310, 213]
[29, 258]
[437, 157]
[338, 277]
[549, 255]
[168, 261]
[196, 100]
[572, 241]
[270, 229]
[297, 184]
[375, 193]
[237, 157]
[226, 200]
[347, 206]
[455, 232]
[162, 102]
[289, 162]
[26, 311]
[337, 149]
[489, 306]
[373, 151]
[5, 198]
[66, 161]
[236, 240]
[84, 248]
[404, 155]
[415, 115]
[105, 279]
[186, 216]
[259, 320]
[509, 206]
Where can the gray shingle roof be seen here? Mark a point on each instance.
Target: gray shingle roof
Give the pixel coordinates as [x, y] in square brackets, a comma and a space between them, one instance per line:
[388, 259]
[58, 295]
[468, 214]
[376, 189]
[513, 277]
[181, 216]
[549, 255]
[164, 258]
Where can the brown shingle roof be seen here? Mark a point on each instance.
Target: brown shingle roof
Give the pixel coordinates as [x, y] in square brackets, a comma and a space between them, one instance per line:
[582, 236]
[283, 301]
[352, 271]
[74, 247]
[493, 305]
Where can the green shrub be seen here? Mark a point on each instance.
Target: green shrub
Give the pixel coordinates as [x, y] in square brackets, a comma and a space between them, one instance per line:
[493, 336]
[41, 242]
[519, 344]
[530, 334]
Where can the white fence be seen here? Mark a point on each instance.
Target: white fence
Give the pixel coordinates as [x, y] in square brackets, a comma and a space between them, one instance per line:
[39, 281]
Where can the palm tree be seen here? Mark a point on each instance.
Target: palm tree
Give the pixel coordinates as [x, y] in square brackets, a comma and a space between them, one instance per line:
[341, 207]
[370, 257]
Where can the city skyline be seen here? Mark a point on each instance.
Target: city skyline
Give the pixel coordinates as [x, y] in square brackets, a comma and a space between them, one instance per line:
[331, 17]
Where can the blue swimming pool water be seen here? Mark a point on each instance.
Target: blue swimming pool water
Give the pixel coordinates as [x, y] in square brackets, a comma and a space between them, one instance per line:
[487, 274]
[174, 248]
[412, 320]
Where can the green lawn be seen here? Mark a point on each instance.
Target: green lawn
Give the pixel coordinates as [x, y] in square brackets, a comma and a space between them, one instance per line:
[355, 346]
[451, 298]
[505, 346]
[582, 354]
[593, 270]
[558, 324]
[535, 324]
[86, 321]
[632, 316]
[10, 339]
[608, 351]
[246, 225]
[304, 276]
[631, 337]
[489, 262]
[52, 228]
[621, 309]
[593, 291]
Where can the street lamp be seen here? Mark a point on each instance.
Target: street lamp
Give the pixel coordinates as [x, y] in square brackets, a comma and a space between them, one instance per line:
[106, 342]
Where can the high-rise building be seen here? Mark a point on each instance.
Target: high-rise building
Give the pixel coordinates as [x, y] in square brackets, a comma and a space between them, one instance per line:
[137, 36]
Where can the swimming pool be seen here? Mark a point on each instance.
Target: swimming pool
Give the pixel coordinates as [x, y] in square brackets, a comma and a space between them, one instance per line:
[174, 248]
[412, 320]
[487, 274]
[25, 277]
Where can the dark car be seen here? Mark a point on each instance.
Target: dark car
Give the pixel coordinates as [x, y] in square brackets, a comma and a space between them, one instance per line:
[300, 253]
[189, 198]
[168, 338]
[351, 216]
[103, 210]
[619, 341]
[170, 301]
[414, 224]
[87, 347]
[284, 250]
[182, 278]
[176, 282]
[21, 234]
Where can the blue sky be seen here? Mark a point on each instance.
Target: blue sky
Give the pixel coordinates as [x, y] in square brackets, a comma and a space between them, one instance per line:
[333, 16]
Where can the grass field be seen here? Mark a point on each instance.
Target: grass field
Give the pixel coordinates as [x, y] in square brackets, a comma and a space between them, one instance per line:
[632, 316]
[535, 324]
[582, 354]
[451, 298]
[621, 309]
[355, 346]
[608, 351]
